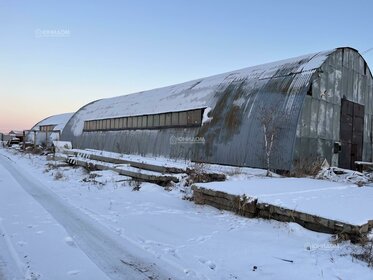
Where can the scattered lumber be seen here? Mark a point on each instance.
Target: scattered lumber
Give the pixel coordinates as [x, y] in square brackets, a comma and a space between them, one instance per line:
[140, 170]
[116, 160]
[122, 169]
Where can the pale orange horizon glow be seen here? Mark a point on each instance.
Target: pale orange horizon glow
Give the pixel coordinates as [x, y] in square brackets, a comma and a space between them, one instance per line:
[18, 116]
[20, 120]
[24, 112]
[21, 108]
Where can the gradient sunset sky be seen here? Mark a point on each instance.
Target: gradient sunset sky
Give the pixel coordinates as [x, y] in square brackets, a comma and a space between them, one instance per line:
[110, 48]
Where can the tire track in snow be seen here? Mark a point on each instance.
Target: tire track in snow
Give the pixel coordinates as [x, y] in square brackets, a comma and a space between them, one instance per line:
[117, 257]
[10, 265]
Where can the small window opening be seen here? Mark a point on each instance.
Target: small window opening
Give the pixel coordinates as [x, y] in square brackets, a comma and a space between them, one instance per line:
[179, 119]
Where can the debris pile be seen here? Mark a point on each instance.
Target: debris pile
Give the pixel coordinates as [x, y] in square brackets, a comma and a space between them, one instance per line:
[336, 174]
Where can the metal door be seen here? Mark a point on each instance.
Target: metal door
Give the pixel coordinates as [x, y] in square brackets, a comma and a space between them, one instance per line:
[351, 133]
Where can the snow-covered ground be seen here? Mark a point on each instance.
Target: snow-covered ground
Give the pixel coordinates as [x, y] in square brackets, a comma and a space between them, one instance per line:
[339, 201]
[72, 228]
[32, 243]
[178, 163]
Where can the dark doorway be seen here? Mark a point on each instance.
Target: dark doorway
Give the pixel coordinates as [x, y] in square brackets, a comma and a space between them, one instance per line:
[351, 134]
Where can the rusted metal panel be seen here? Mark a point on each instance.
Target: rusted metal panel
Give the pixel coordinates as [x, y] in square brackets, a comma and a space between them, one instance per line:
[346, 78]
[240, 103]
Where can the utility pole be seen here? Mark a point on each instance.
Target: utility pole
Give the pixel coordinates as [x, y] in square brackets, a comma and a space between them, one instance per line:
[24, 140]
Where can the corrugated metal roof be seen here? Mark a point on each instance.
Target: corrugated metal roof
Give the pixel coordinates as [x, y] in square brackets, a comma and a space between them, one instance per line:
[58, 120]
[193, 94]
[240, 101]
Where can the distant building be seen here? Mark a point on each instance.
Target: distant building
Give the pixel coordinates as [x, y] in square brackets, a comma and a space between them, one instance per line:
[288, 114]
[48, 130]
[16, 134]
[4, 137]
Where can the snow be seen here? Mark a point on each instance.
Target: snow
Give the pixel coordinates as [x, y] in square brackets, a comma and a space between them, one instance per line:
[206, 118]
[339, 201]
[61, 146]
[315, 62]
[10, 264]
[16, 133]
[244, 172]
[32, 242]
[119, 167]
[189, 95]
[111, 256]
[167, 162]
[127, 167]
[104, 177]
[336, 174]
[58, 120]
[191, 241]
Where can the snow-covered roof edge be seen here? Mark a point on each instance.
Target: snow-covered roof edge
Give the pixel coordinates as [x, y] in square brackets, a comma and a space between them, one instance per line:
[59, 121]
[316, 60]
[196, 93]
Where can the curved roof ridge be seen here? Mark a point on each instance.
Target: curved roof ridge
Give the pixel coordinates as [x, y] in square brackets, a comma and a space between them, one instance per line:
[192, 94]
[315, 60]
[59, 120]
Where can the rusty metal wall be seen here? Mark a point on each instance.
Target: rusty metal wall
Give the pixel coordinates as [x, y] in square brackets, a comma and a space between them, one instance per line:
[343, 74]
[235, 135]
[305, 126]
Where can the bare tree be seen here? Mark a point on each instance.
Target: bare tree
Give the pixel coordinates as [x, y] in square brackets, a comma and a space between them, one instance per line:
[271, 123]
[269, 136]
